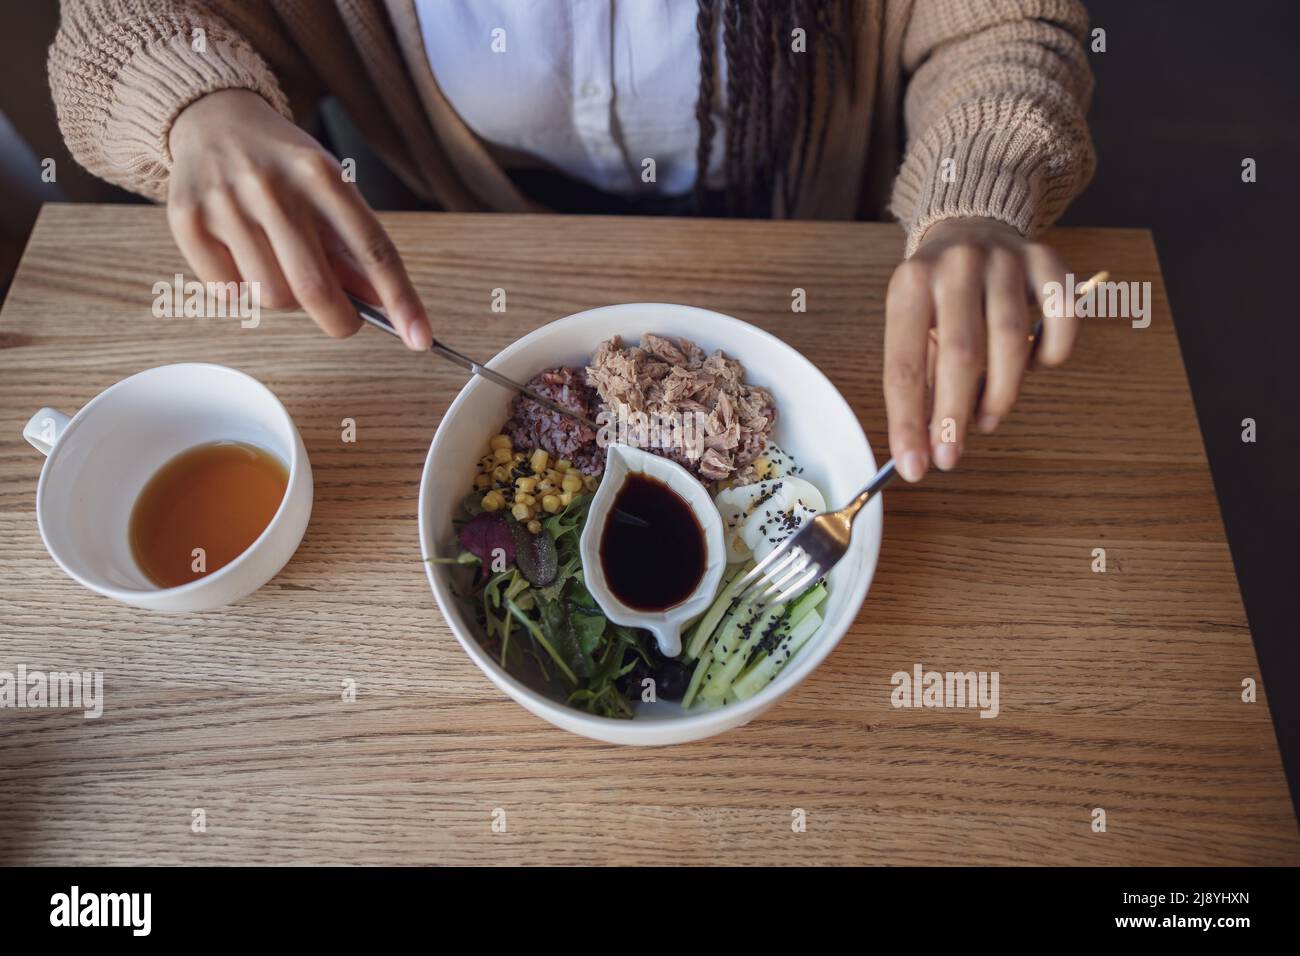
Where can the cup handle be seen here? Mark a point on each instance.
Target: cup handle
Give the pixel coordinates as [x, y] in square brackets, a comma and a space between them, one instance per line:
[44, 429]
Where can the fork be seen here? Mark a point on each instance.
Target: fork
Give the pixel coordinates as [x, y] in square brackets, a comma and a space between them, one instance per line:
[819, 545]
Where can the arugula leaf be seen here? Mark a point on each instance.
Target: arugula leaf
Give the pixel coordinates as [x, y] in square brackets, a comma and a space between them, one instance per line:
[540, 637]
[589, 627]
[568, 568]
[558, 625]
[563, 628]
[465, 557]
[579, 594]
[570, 519]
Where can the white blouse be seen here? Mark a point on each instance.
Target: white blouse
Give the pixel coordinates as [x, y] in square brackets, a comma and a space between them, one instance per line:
[593, 87]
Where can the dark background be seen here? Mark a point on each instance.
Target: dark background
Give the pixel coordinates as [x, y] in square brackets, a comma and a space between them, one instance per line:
[1185, 91]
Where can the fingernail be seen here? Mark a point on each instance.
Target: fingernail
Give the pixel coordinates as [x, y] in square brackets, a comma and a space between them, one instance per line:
[988, 422]
[945, 455]
[912, 466]
[417, 335]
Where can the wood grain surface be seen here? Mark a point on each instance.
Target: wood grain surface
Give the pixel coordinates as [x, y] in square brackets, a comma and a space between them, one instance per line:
[1119, 690]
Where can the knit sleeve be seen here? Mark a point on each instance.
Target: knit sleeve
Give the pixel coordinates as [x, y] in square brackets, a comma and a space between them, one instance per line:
[995, 113]
[122, 70]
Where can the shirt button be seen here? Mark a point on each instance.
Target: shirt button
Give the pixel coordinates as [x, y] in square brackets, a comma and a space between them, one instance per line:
[590, 90]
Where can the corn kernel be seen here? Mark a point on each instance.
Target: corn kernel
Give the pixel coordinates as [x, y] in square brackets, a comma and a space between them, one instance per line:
[535, 526]
[540, 460]
[762, 466]
[546, 486]
[518, 456]
[551, 503]
[482, 482]
[493, 501]
[589, 482]
[524, 498]
[499, 441]
[502, 455]
[501, 475]
[566, 499]
[520, 511]
[526, 485]
[563, 465]
[572, 483]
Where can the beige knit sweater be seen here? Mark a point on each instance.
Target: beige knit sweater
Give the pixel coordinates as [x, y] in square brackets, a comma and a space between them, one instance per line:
[990, 95]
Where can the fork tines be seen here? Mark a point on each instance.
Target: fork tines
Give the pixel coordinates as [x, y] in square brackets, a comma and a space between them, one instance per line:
[785, 571]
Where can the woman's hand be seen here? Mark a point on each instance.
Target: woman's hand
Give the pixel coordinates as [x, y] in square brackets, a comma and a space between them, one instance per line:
[254, 198]
[975, 282]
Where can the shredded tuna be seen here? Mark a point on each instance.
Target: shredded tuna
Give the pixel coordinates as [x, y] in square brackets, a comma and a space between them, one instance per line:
[670, 378]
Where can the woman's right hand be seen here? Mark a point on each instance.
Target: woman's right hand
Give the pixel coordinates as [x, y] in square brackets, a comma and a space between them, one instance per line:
[254, 198]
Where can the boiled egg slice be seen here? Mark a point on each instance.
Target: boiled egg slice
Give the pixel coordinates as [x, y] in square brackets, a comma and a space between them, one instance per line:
[734, 504]
[778, 513]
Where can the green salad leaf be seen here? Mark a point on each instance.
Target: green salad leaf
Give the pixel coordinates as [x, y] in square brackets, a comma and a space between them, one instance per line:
[588, 626]
[558, 624]
[540, 607]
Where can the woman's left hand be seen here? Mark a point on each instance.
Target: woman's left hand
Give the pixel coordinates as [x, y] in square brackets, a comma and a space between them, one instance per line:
[974, 281]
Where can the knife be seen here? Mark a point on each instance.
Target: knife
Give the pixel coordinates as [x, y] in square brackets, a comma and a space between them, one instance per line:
[376, 317]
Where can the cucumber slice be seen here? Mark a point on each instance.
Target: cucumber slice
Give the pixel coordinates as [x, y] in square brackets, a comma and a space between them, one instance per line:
[765, 670]
[723, 656]
[706, 625]
[801, 608]
[727, 637]
[697, 678]
[719, 681]
[805, 603]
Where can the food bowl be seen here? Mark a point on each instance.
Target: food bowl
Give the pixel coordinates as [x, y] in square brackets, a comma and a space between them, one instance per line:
[815, 425]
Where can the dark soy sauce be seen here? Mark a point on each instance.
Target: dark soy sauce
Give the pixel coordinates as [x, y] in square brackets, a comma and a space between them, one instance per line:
[652, 548]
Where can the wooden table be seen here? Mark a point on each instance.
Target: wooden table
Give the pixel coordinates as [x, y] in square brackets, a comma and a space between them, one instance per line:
[1119, 690]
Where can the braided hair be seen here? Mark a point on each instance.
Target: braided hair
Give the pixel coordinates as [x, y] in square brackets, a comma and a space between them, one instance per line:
[775, 126]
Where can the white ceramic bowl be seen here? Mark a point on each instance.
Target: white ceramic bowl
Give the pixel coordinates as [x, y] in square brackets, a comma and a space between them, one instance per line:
[815, 425]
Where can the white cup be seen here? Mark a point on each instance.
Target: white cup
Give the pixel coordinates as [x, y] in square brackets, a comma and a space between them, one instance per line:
[99, 460]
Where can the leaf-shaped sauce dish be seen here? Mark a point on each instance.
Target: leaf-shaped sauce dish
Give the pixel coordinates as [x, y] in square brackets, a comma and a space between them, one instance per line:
[652, 549]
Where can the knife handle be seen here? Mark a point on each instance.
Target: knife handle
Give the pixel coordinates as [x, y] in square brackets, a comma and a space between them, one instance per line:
[377, 318]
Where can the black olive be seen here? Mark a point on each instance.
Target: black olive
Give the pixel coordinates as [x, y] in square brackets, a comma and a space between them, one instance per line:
[651, 647]
[671, 678]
